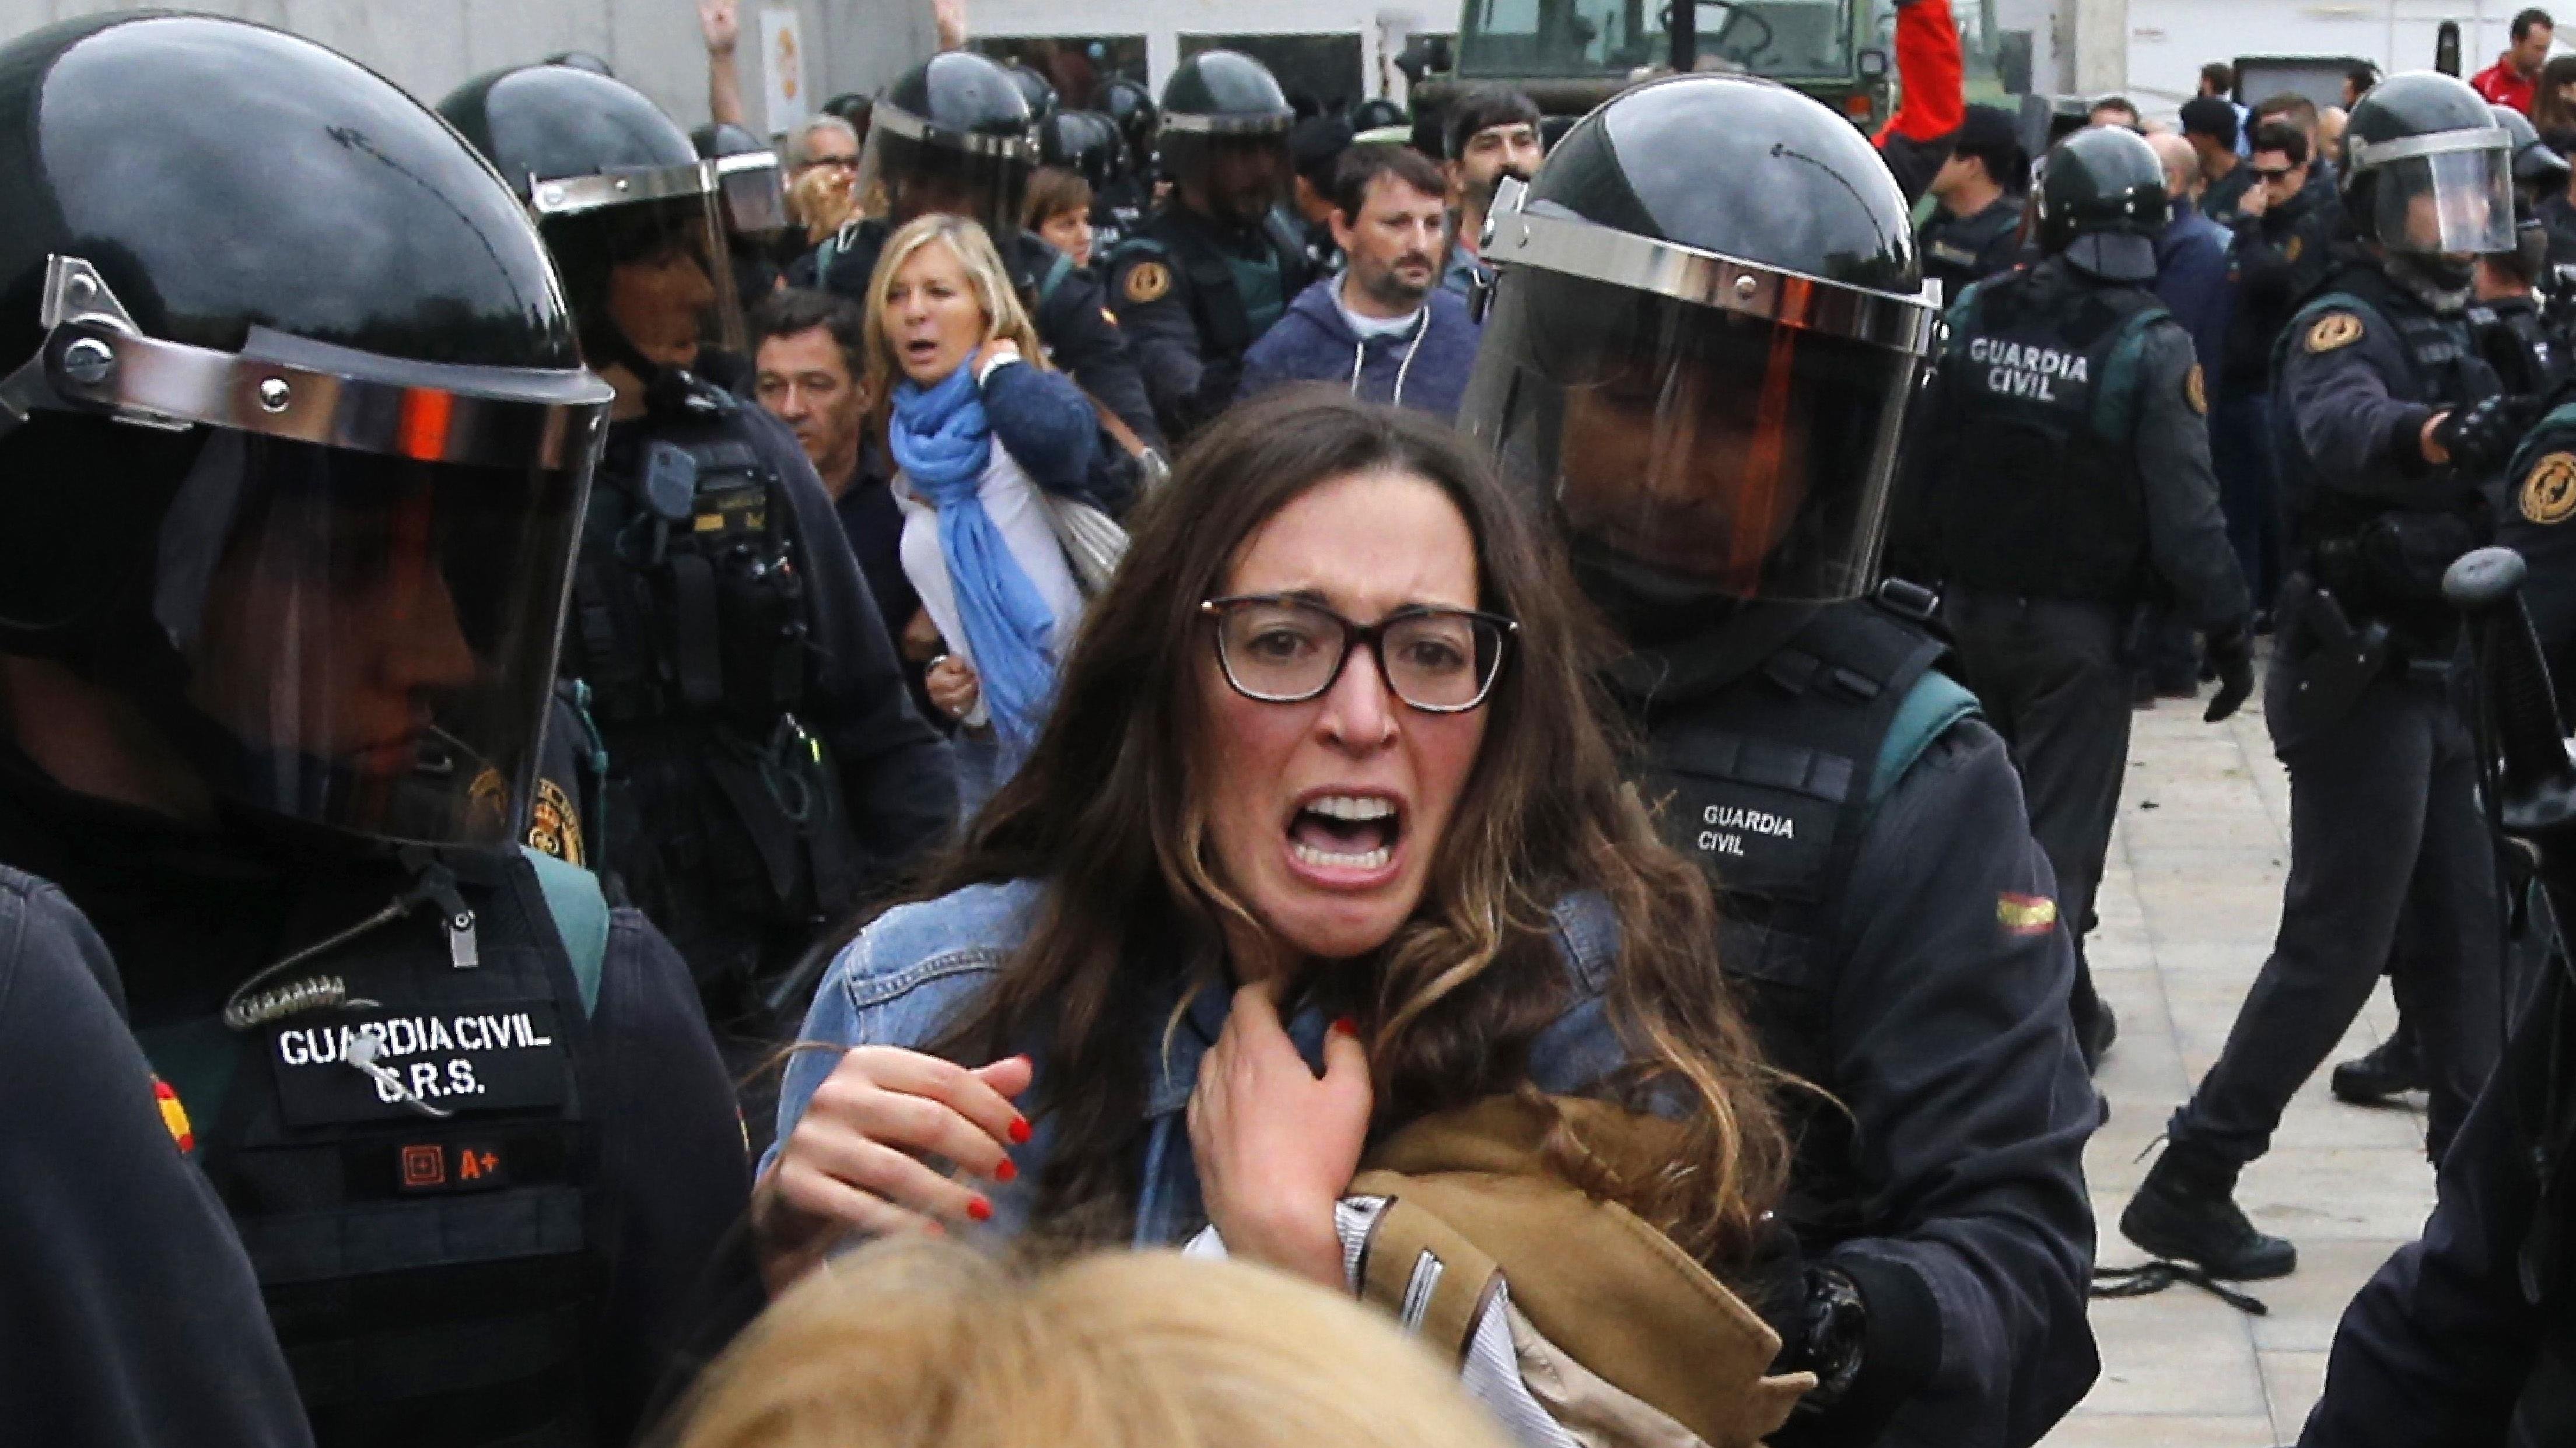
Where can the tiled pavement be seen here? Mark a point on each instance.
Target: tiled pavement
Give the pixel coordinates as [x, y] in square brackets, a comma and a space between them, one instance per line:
[2188, 907]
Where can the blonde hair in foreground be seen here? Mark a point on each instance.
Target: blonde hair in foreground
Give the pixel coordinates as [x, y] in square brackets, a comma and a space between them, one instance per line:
[966, 240]
[914, 1342]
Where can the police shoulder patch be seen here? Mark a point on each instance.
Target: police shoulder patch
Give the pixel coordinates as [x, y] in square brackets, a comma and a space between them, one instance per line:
[174, 1116]
[2291, 251]
[2195, 390]
[2334, 329]
[554, 825]
[2025, 915]
[2549, 491]
[1148, 281]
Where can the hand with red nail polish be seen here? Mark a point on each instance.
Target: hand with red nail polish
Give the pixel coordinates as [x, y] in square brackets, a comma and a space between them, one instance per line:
[864, 1157]
[1276, 1145]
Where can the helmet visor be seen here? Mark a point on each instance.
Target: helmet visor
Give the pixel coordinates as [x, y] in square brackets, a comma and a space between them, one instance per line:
[754, 194]
[2446, 203]
[911, 170]
[1715, 448]
[660, 272]
[367, 641]
[1242, 174]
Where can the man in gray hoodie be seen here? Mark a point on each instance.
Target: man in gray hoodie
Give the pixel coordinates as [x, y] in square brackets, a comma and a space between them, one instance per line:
[1383, 328]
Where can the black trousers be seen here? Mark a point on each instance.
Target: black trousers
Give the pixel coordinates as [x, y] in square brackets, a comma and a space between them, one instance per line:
[2053, 678]
[2390, 865]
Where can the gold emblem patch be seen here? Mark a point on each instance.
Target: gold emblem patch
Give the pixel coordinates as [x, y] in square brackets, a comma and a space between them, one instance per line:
[1148, 281]
[2549, 494]
[554, 826]
[2195, 391]
[2291, 252]
[2334, 329]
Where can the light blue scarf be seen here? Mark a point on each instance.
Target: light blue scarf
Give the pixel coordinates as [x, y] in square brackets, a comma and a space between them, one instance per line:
[943, 442]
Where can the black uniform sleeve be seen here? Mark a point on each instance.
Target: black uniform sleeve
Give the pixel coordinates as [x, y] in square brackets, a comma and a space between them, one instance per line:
[672, 1161]
[1186, 391]
[2358, 435]
[2186, 532]
[2435, 1347]
[1085, 340]
[128, 1312]
[896, 773]
[1955, 1053]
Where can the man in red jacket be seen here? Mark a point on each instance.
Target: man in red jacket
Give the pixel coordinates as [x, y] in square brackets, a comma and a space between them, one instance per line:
[2508, 82]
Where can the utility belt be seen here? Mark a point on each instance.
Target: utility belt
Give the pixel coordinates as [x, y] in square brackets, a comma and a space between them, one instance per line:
[2388, 568]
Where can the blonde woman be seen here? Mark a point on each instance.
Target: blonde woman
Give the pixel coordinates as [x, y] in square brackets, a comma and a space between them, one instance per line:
[978, 423]
[919, 1344]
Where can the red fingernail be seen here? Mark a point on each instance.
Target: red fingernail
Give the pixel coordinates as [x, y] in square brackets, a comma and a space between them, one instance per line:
[1007, 1171]
[980, 1210]
[1019, 1131]
[1347, 1025]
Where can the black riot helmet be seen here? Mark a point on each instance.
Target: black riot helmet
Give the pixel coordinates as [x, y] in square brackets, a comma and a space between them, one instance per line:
[1707, 395]
[2427, 170]
[1131, 108]
[953, 135]
[1035, 89]
[749, 182]
[633, 216]
[2538, 169]
[294, 431]
[1224, 135]
[1084, 142]
[1377, 113]
[2101, 200]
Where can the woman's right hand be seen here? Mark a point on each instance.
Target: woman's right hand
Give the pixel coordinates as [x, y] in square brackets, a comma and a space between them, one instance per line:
[858, 1159]
[952, 685]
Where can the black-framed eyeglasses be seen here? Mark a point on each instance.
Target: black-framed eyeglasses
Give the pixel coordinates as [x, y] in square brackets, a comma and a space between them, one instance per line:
[838, 163]
[1284, 650]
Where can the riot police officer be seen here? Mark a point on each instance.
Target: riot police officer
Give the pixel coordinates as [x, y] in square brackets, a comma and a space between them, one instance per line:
[2067, 473]
[767, 769]
[297, 441]
[1087, 143]
[955, 134]
[753, 192]
[128, 1311]
[1706, 397]
[2389, 428]
[1216, 265]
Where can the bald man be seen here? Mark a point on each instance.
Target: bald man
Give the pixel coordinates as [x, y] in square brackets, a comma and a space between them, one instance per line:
[2191, 254]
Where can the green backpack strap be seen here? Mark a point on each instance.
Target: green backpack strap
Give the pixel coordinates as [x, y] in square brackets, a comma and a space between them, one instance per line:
[1936, 702]
[580, 911]
[1057, 271]
[2115, 402]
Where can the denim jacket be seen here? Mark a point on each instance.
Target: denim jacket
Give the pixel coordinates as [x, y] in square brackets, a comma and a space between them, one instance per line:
[913, 972]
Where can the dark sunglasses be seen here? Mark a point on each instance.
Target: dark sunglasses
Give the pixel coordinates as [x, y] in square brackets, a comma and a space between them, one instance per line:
[2262, 174]
[1283, 650]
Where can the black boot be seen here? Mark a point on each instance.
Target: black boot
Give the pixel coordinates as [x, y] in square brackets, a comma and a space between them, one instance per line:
[2392, 1068]
[2186, 1210]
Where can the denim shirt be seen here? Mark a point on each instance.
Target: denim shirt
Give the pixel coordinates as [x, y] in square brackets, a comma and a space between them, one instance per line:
[916, 969]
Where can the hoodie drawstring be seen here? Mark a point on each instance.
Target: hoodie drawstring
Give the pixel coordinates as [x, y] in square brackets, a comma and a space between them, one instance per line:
[1404, 369]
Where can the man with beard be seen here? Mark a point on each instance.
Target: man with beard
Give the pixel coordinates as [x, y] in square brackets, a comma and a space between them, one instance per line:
[1381, 328]
[1216, 266]
[1492, 133]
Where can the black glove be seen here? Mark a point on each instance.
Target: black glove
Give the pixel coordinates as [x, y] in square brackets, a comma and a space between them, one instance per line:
[2231, 653]
[2482, 436]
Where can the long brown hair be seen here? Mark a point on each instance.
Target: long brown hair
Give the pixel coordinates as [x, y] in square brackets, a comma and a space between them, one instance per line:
[1108, 813]
[2551, 114]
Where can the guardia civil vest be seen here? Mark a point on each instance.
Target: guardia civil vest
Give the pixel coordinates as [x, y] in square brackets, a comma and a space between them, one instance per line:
[2382, 558]
[692, 627]
[2043, 501]
[425, 1227]
[1233, 298]
[1769, 783]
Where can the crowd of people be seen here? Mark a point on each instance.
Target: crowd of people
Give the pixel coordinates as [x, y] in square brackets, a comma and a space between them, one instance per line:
[1041, 773]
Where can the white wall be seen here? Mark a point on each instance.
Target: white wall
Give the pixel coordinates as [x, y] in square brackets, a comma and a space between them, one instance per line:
[2169, 40]
[428, 46]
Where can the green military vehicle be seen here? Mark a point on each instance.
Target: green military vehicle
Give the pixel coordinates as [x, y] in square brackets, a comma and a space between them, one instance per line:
[1571, 55]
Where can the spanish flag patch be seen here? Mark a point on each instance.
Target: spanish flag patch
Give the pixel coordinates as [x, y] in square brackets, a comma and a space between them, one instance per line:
[2025, 914]
[174, 1116]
